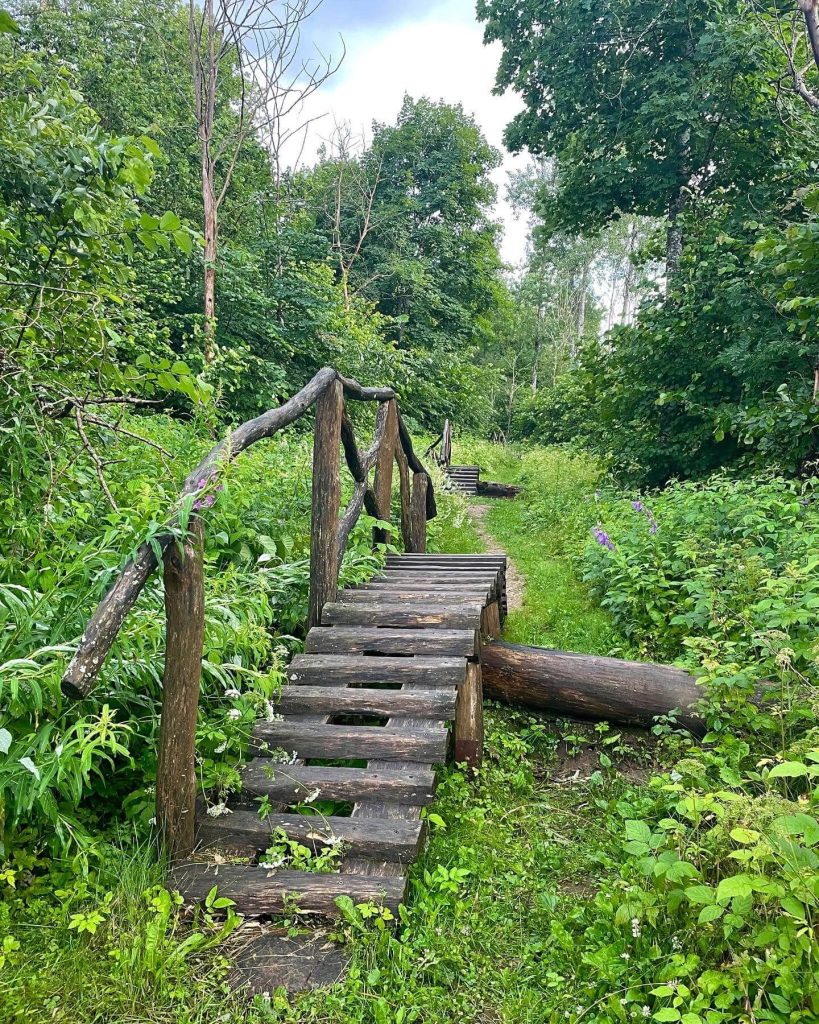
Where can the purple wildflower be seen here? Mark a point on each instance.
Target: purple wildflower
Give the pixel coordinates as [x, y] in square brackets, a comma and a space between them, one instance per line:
[653, 528]
[603, 538]
[638, 506]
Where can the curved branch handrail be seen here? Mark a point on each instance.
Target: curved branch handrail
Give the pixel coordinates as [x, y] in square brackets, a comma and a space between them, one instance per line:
[109, 615]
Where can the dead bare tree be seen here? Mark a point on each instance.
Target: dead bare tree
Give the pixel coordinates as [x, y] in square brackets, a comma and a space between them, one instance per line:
[351, 200]
[252, 51]
[795, 32]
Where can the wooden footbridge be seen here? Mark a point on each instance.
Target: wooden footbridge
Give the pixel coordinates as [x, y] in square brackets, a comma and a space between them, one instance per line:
[364, 718]
[390, 686]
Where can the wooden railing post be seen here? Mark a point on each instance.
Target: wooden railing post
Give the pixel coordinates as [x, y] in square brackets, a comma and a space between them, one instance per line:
[382, 483]
[418, 513]
[446, 445]
[406, 496]
[324, 559]
[469, 718]
[184, 635]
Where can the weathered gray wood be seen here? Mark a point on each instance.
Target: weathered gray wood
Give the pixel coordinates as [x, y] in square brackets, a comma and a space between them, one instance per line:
[290, 783]
[446, 444]
[382, 482]
[395, 580]
[371, 640]
[469, 719]
[463, 615]
[400, 595]
[418, 514]
[433, 557]
[263, 962]
[586, 686]
[245, 832]
[438, 704]
[257, 892]
[491, 620]
[349, 741]
[432, 671]
[326, 498]
[184, 635]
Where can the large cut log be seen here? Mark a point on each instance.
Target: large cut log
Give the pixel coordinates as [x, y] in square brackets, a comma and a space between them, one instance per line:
[493, 489]
[585, 686]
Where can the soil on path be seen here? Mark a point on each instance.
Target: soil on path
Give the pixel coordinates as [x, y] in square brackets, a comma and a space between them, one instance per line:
[514, 580]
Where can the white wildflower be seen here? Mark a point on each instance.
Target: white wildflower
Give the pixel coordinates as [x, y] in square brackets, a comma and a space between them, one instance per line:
[636, 931]
[271, 865]
[311, 796]
[221, 748]
[625, 956]
[675, 942]
[270, 712]
[232, 692]
[234, 713]
[646, 1011]
[217, 810]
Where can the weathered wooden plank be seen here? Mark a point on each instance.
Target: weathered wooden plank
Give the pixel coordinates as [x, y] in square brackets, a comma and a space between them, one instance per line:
[245, 831]
[184, 634]
[399, 595]
[371, 640]
[317, 669]
[263, 962]
[290, 783]
[426, 745]
[326, 500]
[261, 893]
[394, 580]
[435, 556]
[460, 615]
[437, 704]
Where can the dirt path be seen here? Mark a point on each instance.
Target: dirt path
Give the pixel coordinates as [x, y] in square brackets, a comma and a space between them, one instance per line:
[514, 580]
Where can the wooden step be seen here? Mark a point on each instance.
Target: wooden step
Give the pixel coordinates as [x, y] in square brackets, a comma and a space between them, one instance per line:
[263, 962]
[371, 640]
[415, 595]
[463, 615]
[317, 669]
[438, 704]
[287, 784]
[372, 838]
[342, 742]
[258, 892]
[481, 558]
[405, 581]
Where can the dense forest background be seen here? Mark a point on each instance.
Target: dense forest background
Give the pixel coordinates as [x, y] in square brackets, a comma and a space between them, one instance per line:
[170, 267]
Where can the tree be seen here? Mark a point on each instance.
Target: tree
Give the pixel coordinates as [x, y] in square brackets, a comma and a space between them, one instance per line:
[644, 107]
[252, 47]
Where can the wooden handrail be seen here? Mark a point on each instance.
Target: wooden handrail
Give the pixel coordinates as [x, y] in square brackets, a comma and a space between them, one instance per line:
[106, 621]
[184, 579]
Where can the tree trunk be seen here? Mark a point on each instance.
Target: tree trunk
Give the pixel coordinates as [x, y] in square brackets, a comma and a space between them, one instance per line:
[676, 207]
[184, 635]
[211, 225]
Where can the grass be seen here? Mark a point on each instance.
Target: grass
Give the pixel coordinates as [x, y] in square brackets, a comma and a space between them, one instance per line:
[500, 901]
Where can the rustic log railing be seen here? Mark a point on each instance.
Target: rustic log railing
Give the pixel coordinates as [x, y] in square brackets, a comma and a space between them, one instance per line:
[182, 554]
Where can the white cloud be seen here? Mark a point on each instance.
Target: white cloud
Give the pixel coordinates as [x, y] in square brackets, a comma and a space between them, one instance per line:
[441, 55]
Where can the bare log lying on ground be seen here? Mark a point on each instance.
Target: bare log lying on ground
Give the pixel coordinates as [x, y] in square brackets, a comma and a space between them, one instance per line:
[493, 489]
[584, 686]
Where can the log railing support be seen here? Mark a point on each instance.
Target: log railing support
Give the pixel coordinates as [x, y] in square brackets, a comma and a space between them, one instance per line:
[469, 718]
[406, 497]
[185, 631]
[418, 514]
[324, 564]
[382, 482]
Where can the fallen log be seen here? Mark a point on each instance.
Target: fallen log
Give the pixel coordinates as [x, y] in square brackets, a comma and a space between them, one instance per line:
[493, 489]
[585, 686]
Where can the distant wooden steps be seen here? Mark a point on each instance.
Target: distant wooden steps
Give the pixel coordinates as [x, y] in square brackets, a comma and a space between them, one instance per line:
[464, 478]
[364, 720]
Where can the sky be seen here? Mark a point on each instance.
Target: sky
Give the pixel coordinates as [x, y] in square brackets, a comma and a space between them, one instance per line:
[429, 48]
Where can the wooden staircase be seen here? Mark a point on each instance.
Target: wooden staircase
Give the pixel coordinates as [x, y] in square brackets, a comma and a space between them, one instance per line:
[364, 722]
[464, 478]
